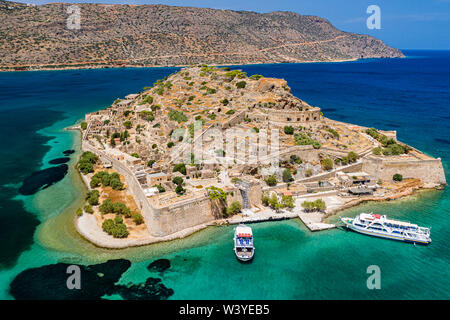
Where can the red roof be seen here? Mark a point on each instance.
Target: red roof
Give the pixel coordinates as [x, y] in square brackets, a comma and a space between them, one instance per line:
[377, 216]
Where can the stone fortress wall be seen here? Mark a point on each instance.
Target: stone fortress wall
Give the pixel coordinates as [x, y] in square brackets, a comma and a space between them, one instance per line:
[429, 171]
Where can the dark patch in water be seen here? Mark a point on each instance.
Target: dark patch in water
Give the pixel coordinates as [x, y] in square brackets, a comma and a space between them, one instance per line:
[67, 152]
[159, 265]
[59, 160]
[43, 179]
[152, 289]
[445, 141]
[50, 283]
[392, 125]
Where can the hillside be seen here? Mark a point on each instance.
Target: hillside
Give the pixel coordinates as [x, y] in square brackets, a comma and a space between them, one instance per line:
[158, 35]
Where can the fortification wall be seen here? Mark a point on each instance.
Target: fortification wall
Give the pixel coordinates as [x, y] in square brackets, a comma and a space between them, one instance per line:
[429, 171]
[185, 215]
[160, 221]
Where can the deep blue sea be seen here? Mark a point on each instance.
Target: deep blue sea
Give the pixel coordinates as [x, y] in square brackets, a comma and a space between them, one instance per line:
[410, 95]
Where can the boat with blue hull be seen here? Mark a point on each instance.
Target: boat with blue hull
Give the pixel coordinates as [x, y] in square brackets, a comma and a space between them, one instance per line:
[377, 225]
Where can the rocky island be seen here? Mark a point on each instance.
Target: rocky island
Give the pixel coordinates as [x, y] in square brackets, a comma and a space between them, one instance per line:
[114, 35]
[210, 145]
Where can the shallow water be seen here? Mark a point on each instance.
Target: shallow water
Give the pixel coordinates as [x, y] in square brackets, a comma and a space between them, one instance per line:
[411, 96]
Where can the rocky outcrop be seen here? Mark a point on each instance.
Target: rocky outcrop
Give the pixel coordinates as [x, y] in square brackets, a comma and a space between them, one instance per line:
[158, 35]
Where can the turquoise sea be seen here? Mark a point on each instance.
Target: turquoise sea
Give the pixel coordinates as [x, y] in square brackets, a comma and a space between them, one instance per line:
[410, 95]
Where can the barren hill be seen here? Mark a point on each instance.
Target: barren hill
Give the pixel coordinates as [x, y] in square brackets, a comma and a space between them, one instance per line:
[159, 35]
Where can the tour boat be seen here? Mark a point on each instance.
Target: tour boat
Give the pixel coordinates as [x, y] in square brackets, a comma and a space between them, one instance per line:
[243, 243]
[379, 226]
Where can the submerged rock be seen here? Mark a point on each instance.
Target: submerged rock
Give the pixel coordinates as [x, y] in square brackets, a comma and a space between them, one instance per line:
[59, 160]
[43, 179]
[49, 282]
[67, 152]
[159, 265]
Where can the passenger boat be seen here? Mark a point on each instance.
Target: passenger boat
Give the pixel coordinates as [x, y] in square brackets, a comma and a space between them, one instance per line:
[379, 226]
[243, 243]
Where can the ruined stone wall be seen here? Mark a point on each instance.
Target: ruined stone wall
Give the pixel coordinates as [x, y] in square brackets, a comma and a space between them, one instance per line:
[290, 117]
[429, 171]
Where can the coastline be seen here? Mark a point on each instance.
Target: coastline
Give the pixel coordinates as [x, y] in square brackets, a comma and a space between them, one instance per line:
[115, 66]
[88, 229]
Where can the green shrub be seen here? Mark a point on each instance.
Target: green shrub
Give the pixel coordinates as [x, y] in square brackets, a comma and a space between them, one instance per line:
[234, 208]
[79, 212]
[179, 190]
[160, 188]
[327, 164]
[177, 180]
[271, 180]
[241, 84]
[88, 209]
[92, 197]
[83, 125]
[288, 130]
[87, 161]
[127, 124]
[181, 168]
[137, 218]
[397, 177]
[177, 116]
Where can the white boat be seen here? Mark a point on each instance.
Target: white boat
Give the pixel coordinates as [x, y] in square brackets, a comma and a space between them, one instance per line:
[243, 243]
[379, 226]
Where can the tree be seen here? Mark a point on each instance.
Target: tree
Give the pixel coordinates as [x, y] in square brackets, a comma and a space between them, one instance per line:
[287, 176]
[352, 156]
[177, 180]
[116, 184]
[216, 193]
[83, 125]
[397, 177]
[95, 182]
[288, 130]
[92, 197]
[88, 209]
[79, 212]
[127, 124]
[241, 84]
[151, 162]
[287, 201]
[160, 188]
[181, 168]
[271, 180]
[327, 164]
[308, 173]
[170, 144]
[106, 206]
[179, 190]
[234, 208]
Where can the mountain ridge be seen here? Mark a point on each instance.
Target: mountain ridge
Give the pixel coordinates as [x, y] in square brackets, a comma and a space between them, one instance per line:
[161, 35]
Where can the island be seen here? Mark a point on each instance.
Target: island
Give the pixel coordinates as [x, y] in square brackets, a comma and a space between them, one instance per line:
[212, 145]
